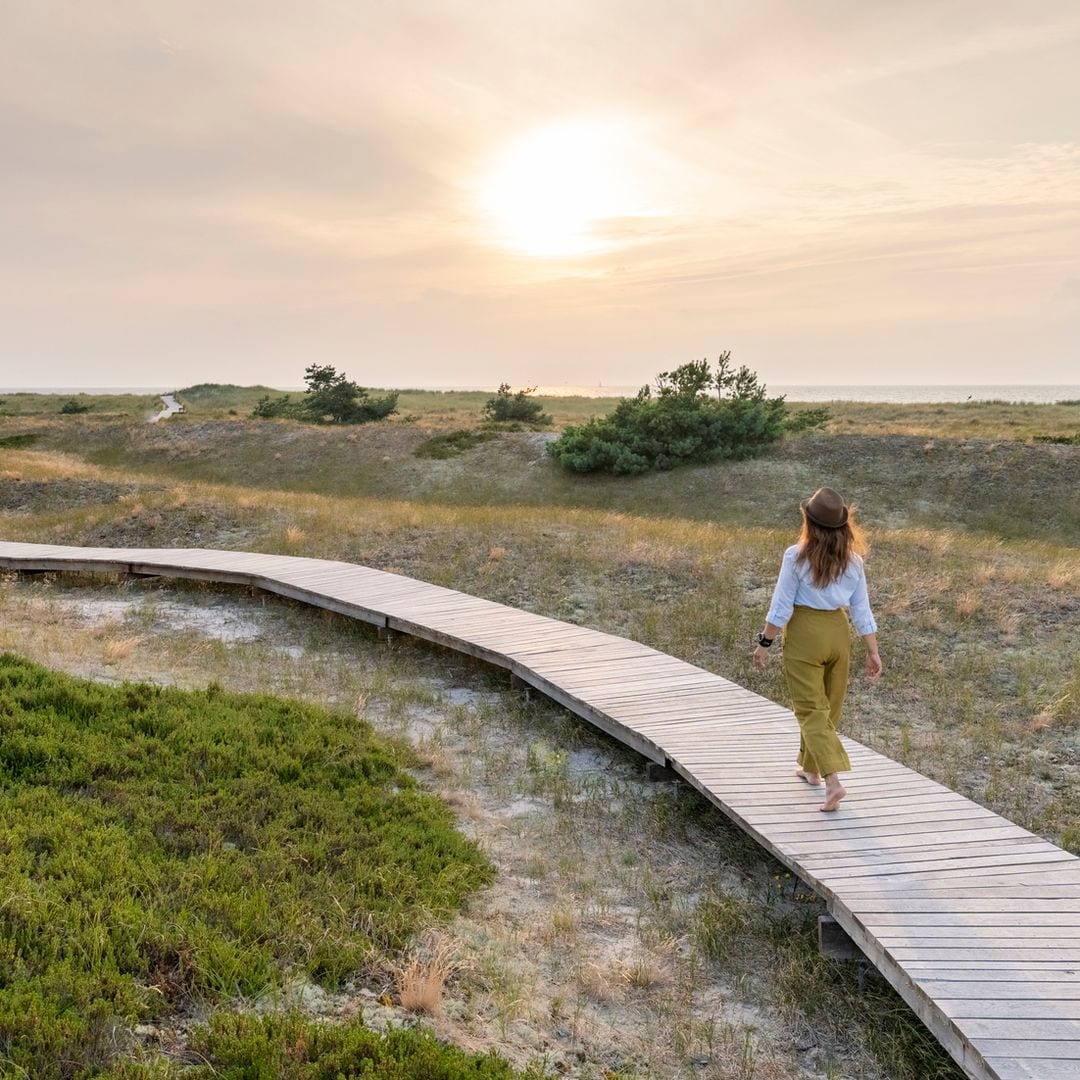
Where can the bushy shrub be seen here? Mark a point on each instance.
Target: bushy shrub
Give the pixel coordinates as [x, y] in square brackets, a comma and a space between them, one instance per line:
[694, 415]
[452, 444]
[519, 406]
[806, 419]
[1063, 440]
[19, 442]
[292, 1048]
[71, 406]
[267, 407]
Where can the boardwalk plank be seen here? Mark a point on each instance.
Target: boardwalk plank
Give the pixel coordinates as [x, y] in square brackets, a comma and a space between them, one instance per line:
[1021, 989]
[881, 919]
[971, 937]
[1049, 1030]
[937, 859]
[1029, 932]
[905, 953]
[976, 872]
[995, 1009]
[1034, 1068]
[1023, 1048]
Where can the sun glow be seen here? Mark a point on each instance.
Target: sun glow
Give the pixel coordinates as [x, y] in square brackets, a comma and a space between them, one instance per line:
[550, 190]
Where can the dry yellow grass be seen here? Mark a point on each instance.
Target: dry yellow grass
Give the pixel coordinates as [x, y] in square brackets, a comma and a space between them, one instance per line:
[967, 604]
[421, 981]
[595, 981]
[46, 465]
[643, 972]
[116, 649]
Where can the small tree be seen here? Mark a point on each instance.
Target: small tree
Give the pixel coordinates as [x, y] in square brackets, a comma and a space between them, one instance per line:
[516, 407]
[696, 414]
[332, 398]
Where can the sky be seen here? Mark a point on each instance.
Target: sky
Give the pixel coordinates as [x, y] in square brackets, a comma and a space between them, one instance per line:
[461, 193]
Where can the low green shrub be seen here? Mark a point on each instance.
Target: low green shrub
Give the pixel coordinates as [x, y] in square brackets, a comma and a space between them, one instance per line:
[807, 419]
[1064, 440]
[519, 407]
[19, 442]
[453, 443]
[159, 847]
[239, 1047]
[269, 408]
[71, 406]
[695, 416]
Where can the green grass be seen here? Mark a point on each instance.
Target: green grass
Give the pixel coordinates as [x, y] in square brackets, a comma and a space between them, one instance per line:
[440, 409]
[217, 399]
[163, 848]
[955, 420]
[19, 403]
[238, 1047]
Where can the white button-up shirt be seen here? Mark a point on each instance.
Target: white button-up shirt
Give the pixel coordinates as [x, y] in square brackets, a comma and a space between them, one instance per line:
[796, 586]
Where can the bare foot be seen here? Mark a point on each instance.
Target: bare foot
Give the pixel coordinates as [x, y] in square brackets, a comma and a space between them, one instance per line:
[833, 795]
[811, 778]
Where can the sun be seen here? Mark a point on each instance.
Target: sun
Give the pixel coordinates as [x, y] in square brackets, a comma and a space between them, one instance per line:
[546, 193]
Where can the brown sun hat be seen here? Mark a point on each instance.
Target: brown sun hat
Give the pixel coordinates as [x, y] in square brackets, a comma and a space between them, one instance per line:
[826, 508]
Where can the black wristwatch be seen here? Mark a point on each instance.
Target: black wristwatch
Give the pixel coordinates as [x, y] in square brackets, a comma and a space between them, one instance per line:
[764, 641]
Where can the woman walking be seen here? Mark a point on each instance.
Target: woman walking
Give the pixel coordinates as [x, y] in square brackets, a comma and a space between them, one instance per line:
[820, 576]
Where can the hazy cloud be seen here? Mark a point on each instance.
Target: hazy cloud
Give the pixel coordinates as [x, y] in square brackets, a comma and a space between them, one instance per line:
[224, 190]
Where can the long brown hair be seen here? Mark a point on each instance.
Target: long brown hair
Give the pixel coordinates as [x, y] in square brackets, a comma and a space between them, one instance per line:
[828, 551]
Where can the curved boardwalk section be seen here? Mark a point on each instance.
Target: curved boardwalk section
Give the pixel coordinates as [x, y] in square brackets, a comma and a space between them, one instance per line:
[974, 920]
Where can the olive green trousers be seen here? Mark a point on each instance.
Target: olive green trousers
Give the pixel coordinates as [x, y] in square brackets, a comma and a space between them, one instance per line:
[817, 652]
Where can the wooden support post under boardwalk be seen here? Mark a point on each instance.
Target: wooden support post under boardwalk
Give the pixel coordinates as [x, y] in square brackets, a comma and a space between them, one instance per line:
[834, 942]
[660, 774]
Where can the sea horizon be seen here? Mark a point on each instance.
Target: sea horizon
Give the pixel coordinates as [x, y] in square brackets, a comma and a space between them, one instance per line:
[889, 393]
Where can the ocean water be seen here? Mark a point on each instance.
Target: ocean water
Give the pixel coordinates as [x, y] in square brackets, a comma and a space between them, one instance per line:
[1036, 393]
[910, 394]
[1033, 393]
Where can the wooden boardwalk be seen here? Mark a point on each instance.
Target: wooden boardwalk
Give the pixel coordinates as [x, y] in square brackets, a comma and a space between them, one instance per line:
[974, 920]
